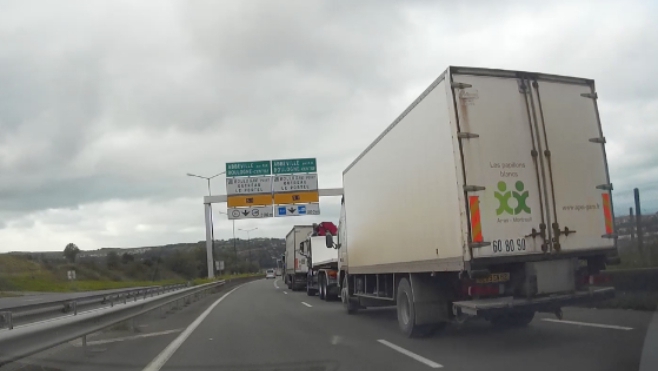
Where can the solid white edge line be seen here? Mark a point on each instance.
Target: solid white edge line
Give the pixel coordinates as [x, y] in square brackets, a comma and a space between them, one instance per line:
[78, 343]
[162, 358]
[307, 304]
[614, 327]
[408, 353]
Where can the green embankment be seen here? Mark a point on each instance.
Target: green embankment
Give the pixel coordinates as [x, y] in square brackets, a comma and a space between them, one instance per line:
[19, 275]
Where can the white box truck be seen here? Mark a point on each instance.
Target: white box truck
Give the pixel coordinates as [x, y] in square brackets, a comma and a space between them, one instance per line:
[295, 263]
[322, 275]
[489, 196]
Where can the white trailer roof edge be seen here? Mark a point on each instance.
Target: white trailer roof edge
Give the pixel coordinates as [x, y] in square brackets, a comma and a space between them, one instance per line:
[298, 226]
[470, 71]
[513, 73]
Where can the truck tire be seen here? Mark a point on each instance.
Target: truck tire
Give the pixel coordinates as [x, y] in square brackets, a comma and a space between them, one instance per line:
[406, 309]
[329, 295]
[517, 319]
[348, 303]
[310, 291]
[322, 287]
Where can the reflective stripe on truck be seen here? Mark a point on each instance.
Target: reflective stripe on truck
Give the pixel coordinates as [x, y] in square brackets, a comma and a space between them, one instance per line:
[476, 225]
[607, 213]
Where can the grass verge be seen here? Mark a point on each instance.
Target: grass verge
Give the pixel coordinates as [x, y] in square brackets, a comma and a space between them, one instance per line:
[13, 285]
[39, 285]
[636, 300]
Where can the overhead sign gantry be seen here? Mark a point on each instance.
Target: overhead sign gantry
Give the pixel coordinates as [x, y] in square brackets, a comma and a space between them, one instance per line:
[265, 189]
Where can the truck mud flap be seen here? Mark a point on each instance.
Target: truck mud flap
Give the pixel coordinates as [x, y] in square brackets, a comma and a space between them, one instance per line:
[494, 306]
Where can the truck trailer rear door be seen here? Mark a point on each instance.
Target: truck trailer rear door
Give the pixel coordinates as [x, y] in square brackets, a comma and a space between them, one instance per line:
[578, 186]
[501, 170]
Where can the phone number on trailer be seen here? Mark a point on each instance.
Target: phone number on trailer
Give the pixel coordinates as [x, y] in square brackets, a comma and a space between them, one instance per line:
[508, 245]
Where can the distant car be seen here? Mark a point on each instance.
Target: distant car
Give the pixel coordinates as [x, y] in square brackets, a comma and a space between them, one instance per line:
[270, 274]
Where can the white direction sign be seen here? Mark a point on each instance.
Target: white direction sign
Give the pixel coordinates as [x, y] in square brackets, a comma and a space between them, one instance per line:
[297, 209]
[250, 212]
[248, 186]
[295, 183]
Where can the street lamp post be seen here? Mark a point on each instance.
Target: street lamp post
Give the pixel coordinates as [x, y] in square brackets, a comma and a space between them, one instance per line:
[210, 252]
[248, 239]
[235, 250]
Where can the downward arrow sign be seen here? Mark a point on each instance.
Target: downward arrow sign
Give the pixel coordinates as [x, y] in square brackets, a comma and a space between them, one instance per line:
[292, 210]
[245, 213]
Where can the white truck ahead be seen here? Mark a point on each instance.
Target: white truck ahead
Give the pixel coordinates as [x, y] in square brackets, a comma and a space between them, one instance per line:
[295, 264]
[322, 275]
[489, 196]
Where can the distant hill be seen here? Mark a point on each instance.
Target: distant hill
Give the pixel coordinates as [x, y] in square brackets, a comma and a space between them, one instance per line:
[186, 260]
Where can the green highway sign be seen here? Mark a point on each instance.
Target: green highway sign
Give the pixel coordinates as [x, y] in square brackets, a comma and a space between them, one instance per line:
[251, 168]
[294, 165]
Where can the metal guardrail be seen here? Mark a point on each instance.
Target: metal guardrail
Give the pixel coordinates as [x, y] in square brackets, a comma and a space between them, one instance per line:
[26, 340]
[9, 314]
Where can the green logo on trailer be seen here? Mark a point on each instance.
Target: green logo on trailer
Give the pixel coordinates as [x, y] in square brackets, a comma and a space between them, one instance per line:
[503, 196]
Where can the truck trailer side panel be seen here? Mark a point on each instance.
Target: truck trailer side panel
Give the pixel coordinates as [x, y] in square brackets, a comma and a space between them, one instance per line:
[296, 263]
[402, 194]
[321, 255]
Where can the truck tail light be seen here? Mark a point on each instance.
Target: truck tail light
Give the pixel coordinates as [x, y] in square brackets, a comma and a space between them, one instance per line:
[600, 279]
[485, 290]
[332, 274]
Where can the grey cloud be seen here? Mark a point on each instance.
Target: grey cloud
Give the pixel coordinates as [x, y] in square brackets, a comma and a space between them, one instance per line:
[117, 103]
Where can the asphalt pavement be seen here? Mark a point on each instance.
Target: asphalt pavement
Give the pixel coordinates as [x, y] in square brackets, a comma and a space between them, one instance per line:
[264, 326]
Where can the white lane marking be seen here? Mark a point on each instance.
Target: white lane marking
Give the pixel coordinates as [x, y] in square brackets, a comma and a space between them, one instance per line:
[413, 355]
[78, 343]
[275, 285]
[162, 358]
[600, 325]
[307, 304]
[285, 292]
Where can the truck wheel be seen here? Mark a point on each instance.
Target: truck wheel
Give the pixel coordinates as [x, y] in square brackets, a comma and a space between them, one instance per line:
[323, 288]
[329, 295]
[519, 319]
[348, 304]
[406, 309]
[288, 283]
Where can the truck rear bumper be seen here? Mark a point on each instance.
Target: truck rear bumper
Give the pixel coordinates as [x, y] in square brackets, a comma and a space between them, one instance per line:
[494, 306]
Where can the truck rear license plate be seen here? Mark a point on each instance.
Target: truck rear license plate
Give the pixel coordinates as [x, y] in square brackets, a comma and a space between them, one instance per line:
[494, 278]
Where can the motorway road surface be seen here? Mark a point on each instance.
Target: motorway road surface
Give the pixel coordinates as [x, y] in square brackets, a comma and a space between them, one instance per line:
[264, 326]
[37, 298]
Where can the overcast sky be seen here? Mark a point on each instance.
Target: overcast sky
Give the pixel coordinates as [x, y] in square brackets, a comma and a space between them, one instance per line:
[106, 105]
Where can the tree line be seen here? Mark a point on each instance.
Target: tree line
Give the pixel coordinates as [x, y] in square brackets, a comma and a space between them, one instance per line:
[188, 260]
